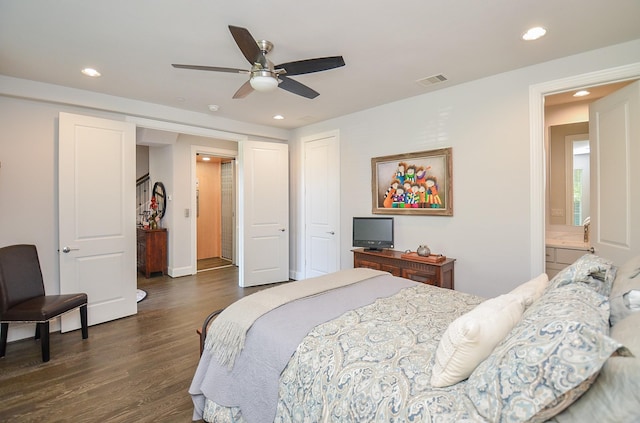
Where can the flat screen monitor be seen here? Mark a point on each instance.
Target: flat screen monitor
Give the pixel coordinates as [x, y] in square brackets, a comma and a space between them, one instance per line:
[373, 233]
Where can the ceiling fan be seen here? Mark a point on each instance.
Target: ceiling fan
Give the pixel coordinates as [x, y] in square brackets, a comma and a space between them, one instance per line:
[264, 76]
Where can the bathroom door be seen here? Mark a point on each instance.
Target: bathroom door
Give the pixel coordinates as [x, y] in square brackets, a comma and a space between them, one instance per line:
[614, 135]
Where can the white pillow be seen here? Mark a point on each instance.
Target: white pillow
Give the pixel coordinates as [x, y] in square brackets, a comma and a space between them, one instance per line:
[532, 290]
[472, 337]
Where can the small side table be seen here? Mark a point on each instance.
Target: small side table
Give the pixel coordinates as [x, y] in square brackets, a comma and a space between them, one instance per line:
[152, 251]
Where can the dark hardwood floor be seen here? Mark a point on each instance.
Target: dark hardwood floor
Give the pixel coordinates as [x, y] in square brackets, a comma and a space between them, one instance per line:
[135, 369]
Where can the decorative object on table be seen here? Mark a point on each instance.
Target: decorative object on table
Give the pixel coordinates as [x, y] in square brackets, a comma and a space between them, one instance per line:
[431, 258]
[157, 207]
[413, 183]
[423, 251]
[154, 218]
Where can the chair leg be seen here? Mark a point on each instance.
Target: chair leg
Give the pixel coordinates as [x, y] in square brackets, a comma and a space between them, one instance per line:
[4, 330]
[44, 334]
[83, 321]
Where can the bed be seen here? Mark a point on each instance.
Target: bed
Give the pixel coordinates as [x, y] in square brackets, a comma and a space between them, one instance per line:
[364, 346]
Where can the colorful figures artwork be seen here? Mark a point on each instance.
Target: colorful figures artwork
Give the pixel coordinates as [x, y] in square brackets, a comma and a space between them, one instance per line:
[412, 187]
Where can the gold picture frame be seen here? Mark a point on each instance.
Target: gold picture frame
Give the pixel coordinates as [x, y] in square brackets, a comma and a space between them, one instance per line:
[429, 175]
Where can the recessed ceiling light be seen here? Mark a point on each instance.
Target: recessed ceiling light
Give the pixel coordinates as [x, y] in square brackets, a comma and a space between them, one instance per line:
[278, 117]
[534, 33]
[206, 158]
[581, 93]
[214, 107]
[91, 72]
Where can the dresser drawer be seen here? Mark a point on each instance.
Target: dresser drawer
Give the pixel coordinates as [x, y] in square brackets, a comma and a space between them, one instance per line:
[566, 256]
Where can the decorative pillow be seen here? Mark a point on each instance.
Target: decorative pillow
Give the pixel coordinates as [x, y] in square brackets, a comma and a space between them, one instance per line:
[532, 290]
[627, 280]
[471, 337]
[595, 272]
[615, 395]
[548, 360]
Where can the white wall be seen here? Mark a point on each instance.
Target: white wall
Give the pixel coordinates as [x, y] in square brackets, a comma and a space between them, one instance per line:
[486, 122]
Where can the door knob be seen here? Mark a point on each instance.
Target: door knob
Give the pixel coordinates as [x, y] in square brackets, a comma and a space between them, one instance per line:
[67, 249]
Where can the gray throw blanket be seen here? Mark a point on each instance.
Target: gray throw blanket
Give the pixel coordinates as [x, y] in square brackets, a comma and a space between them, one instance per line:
[227, 334]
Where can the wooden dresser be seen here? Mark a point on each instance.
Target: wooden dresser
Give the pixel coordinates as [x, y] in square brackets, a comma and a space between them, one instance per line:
[152, 251]
[438, 274]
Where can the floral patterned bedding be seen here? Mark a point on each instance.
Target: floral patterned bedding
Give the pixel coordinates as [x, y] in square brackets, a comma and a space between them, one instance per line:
[375, 364]
[379, 355]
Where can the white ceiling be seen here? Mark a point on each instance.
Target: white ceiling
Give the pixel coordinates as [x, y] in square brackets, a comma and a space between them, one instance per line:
[387, 47]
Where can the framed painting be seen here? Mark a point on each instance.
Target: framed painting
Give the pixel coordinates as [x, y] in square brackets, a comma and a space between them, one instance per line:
[413, 183]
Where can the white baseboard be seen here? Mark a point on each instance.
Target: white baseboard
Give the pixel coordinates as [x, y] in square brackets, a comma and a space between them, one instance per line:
[176, 272]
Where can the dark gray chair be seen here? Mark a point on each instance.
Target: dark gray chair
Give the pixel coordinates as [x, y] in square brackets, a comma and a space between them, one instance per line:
[22, 296]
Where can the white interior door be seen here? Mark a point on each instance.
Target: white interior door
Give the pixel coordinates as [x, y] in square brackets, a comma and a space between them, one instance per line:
[614, 135]
[96, 186]
[263, 213]
[322, 205]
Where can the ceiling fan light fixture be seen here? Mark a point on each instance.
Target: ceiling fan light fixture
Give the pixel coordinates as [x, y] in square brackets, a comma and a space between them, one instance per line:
[263, 81]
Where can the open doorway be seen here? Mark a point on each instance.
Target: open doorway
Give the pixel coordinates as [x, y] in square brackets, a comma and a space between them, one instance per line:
[568, 188]
[261, 228]
[215, 211]
[540, 96]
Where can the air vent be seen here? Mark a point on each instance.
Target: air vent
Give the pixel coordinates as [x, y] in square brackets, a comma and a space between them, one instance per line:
[430, 80]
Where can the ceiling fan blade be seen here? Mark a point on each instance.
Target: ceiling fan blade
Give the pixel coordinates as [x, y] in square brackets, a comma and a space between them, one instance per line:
[244, 90]
[296, 87]
[247, 44]
[210, 68]
[312, 65]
